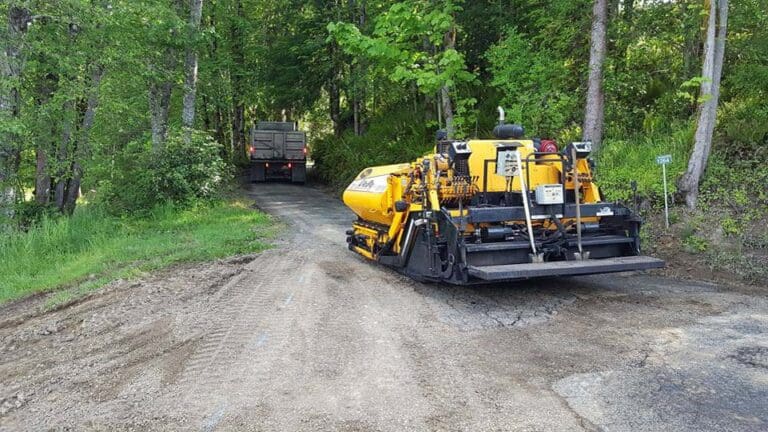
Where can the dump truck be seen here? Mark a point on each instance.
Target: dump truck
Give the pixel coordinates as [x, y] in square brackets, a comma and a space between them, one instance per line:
[278, 151]
[492, 210]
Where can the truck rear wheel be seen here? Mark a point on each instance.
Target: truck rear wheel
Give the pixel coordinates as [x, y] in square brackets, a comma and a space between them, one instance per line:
[258, 172]
[299, 173]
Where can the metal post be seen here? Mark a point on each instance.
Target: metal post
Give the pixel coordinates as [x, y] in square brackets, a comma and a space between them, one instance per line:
[524, 190]
[666, 200]
[576, 190]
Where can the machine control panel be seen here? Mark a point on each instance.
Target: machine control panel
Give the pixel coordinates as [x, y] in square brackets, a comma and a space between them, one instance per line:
[506, 163]
[506, 159]
[549, 194]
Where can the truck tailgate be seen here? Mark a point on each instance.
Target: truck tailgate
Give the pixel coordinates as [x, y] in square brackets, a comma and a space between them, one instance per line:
[278, 145]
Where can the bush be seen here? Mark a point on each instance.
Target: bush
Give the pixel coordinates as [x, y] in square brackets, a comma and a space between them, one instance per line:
[392, 138]
[30, 213]
[180, 173]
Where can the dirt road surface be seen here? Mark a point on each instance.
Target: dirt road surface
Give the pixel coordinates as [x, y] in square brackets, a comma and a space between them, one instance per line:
[308, 336]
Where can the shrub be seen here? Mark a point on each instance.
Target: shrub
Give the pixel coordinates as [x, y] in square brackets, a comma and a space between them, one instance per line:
[30, 213]
[392, 138]
[695, 244]
[180, 173]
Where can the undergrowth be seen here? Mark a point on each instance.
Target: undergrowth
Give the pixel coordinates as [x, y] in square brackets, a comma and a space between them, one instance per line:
[728, 232]
[622, 161]
[392, 139]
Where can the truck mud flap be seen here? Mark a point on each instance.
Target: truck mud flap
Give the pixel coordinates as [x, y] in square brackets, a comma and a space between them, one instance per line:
[563, 268]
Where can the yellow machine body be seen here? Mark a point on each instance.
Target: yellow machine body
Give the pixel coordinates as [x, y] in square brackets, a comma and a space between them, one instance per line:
[450, 216]
[373, 194]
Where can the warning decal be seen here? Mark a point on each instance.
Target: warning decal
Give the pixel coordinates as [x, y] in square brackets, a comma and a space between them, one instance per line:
[370, 184]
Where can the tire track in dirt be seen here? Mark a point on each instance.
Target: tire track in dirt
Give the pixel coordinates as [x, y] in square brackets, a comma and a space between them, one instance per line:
[236, 321]
[102, 349]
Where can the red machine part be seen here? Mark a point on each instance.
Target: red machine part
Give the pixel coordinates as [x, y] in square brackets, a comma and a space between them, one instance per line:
[548, 146]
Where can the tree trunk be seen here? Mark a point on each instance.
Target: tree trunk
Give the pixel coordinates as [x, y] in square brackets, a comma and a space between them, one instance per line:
[238, 130]
[42, 178]
[63, 162]
[362, 93]
[160, 92]
[190, 69]
[206, 114]
[447, 107]
[83, 144]
[335, 106]
[44, 145]
[334, 94]
[357, 70]
[593, 111]
[712, 69]
[11, 61]
[159, 106]
[219, 125]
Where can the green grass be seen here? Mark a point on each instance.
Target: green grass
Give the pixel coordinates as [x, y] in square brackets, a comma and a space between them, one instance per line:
[622, 161]
[728, 228]
[91, 248]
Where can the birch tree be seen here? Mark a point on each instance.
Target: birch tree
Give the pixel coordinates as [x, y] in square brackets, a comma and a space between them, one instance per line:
[712, 69]
[190, 67]
[162, 69]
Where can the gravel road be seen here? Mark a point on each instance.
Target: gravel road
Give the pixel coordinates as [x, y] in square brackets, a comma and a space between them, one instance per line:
[308, 336]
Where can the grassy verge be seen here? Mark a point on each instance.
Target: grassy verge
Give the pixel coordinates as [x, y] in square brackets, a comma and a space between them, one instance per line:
[621, 162]
[726, 237]
[92, 248]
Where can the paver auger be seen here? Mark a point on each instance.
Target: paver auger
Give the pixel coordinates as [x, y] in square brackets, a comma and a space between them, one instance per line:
[493, 210]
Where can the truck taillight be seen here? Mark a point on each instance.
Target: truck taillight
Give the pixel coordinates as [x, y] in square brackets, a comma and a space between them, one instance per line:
[252, 149]
[290, 165]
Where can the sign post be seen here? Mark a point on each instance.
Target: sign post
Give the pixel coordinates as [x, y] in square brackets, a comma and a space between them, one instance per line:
[663, 160]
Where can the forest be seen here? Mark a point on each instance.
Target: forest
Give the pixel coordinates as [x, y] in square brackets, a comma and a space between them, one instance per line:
[121, 107]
